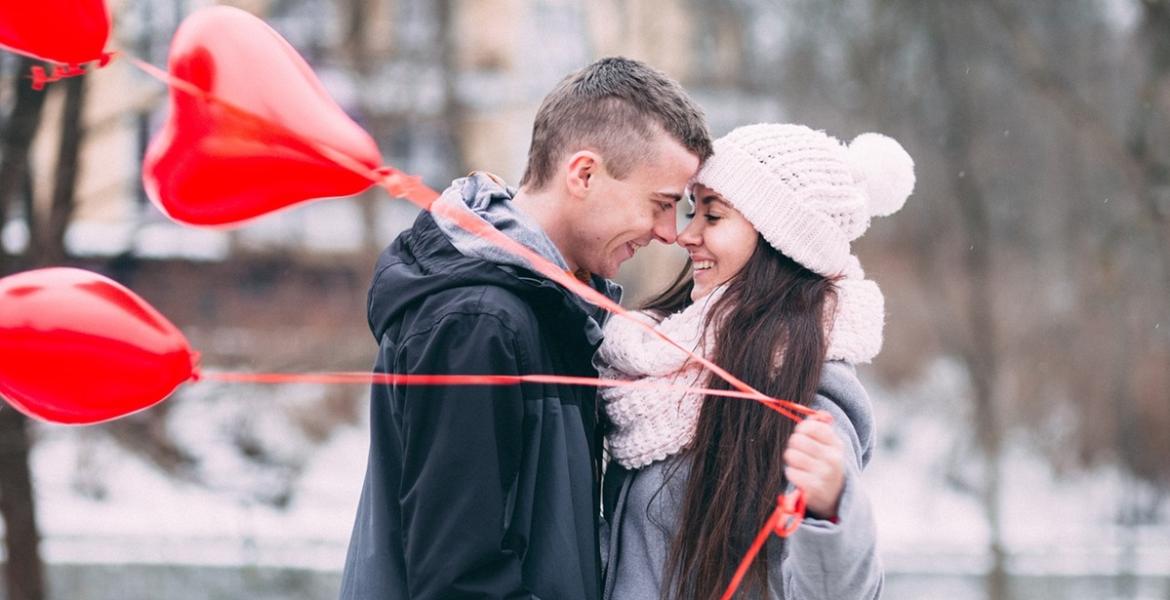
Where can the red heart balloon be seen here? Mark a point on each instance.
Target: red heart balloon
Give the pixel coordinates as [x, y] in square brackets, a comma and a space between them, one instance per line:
[76, 347]
[63, 31]
[253, 132]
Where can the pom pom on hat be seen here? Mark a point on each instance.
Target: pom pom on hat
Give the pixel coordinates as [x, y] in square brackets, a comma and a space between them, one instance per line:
[885, 171]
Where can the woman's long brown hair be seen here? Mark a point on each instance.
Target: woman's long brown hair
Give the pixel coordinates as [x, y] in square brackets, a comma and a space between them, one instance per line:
[769, 332]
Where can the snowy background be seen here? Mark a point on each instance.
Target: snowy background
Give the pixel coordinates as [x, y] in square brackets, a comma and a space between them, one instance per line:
[116, 526]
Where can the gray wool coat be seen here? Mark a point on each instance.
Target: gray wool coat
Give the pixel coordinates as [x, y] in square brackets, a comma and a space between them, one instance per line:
[822, 560]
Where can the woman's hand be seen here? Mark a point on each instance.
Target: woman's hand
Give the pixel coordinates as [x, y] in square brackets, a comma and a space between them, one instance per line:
[815, 462]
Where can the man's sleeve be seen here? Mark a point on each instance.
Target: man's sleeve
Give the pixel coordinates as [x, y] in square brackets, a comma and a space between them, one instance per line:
[461, 456]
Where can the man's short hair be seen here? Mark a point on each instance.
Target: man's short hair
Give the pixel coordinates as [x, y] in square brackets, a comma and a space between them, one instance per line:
[615, 107]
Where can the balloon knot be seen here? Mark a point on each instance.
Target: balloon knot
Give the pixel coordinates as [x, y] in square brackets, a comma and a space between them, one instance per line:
[41, 77]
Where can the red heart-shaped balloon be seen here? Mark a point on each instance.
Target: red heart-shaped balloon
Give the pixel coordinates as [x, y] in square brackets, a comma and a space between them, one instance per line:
[63, 31]
[78, 348]
[252, 131]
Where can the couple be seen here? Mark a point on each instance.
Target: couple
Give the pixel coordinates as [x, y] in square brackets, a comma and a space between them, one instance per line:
[495, 492]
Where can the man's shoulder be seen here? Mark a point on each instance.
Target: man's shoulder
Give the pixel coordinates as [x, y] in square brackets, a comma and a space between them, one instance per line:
[484, 298]
[479, 301]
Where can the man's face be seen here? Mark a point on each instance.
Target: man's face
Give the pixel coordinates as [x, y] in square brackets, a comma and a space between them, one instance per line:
[622, 215]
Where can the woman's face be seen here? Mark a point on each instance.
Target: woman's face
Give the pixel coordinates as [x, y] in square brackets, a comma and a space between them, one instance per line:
[719, 240]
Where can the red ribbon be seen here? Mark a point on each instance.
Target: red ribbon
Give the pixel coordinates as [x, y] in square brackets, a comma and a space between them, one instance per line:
[448, 379]
[783, 521]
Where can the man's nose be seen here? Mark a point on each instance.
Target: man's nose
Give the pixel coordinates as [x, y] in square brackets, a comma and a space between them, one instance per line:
[665, 229]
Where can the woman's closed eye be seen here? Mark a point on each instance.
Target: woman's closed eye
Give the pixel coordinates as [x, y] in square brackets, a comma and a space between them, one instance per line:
[709, 217]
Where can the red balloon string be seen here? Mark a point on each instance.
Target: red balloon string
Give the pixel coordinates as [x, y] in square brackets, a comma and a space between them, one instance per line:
[364, 377]
[782, 522]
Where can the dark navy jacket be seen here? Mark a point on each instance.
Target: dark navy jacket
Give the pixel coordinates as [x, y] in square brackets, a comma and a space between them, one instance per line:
[476, 492]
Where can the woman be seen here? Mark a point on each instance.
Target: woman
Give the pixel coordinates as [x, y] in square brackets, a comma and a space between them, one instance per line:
[775, 297]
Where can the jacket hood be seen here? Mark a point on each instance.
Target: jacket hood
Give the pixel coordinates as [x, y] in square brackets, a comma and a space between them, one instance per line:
[484, 197]
[431, 257]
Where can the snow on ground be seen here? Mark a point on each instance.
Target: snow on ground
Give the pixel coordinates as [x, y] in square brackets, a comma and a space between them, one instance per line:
[148, 517]
[923, 478]
[927, 523]
[99, 503]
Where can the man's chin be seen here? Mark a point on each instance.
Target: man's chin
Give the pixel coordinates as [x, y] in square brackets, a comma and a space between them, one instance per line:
[609, 266]
[609, 270]
[608, 273]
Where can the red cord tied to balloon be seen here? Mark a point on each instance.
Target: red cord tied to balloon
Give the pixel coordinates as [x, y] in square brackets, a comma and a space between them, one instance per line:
[42, 77]
[790, 507]
[67, 33]
[120, 355]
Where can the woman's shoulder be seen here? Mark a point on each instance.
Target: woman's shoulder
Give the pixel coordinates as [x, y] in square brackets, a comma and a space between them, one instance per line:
[841, 394]
[840, 383]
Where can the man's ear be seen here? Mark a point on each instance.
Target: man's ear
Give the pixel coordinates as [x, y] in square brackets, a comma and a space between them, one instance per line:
[581, 167]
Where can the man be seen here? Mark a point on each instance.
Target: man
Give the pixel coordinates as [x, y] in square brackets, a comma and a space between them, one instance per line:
[492, 492]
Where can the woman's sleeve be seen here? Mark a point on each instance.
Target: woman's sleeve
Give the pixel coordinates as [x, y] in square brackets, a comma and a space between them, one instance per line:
[838, 559]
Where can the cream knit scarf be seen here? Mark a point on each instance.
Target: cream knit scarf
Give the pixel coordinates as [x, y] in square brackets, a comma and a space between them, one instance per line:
[650, 424]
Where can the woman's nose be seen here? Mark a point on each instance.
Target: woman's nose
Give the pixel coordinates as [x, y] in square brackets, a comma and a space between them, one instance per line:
[691, 235]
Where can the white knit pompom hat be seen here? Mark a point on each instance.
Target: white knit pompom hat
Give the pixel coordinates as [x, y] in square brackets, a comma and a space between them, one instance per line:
[809, 195]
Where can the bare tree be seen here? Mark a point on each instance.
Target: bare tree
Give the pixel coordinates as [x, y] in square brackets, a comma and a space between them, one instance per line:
[66, 175]
[46, 246]
[23, 122]
[1127, 275]
[453, 113]
[24, 575]
[978, 345]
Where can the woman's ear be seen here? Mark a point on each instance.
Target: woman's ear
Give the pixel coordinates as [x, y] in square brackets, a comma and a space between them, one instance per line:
[581, 167]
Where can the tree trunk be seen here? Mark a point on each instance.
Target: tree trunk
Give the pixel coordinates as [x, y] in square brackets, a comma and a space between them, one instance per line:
[32, 222]
[1154, 37]
[24, 576]
[1138, 153]
[358, 48]
[14, 144]
[23, 571]
[979, 350]
[68, 163]
[454, 113]
[1141, 169]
